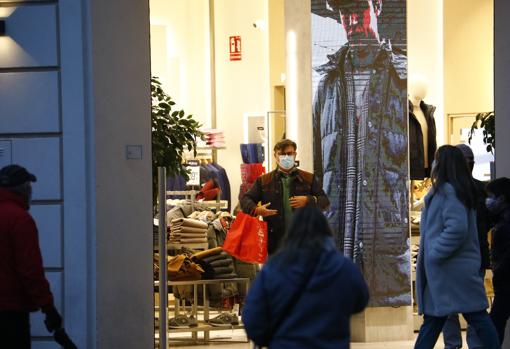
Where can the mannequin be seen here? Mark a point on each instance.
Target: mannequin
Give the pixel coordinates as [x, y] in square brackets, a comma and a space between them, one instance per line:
[422, 130]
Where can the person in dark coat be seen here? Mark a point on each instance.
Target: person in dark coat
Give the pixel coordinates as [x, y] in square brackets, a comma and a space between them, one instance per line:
[281, 192]
[23, 286]
[451, 331]
[306, 293]
[498, 203]
[448, 277]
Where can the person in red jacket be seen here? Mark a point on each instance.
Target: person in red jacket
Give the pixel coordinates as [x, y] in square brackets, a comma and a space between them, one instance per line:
[23, 285]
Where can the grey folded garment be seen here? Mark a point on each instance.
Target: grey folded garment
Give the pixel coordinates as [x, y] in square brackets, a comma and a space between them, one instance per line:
[225, 276]
[221, 263]
[223, 270]
[215, 257]
[189, 223]
[187, 241]
[174, 213]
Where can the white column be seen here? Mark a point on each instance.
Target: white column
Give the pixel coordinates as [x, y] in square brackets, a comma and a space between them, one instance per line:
[298, 84]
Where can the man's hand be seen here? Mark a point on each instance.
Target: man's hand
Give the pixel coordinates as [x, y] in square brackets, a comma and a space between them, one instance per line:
[298, 201]
[53, 320]
[264, 211]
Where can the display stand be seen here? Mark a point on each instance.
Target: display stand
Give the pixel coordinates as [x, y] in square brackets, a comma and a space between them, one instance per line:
[382, 324]
[162, 288]
[203, 312]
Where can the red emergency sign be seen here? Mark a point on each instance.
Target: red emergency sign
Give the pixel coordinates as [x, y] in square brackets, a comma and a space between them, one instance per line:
[235, 48]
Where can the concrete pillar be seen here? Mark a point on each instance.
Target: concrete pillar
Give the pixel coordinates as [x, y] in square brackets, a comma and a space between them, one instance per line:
[502, 85]
[501, 93]
[120, 136]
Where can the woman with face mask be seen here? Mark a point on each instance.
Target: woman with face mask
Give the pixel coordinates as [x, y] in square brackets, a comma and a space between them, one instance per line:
[448, 277]
[498, 204]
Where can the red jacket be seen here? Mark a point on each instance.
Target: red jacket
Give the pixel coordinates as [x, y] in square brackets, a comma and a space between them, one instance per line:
[23, 285]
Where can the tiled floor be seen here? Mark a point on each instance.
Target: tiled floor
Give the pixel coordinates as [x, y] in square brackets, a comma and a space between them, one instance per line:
[238, 335]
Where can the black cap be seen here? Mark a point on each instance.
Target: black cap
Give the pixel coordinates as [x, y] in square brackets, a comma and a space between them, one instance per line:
[13, 175]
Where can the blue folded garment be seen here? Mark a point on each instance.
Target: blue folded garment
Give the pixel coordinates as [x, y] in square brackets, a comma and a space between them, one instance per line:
[252, 153]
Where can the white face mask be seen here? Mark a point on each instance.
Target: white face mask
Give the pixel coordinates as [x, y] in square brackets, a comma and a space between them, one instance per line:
[286, 161]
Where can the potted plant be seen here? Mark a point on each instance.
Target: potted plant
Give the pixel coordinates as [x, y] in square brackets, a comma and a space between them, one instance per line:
[486, 122]
[173, 132]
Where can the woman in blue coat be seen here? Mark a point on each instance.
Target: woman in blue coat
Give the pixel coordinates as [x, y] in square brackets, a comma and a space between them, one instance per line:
[306, 293]
[448, 280]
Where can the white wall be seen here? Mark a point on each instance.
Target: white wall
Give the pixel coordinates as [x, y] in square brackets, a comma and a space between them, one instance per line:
[180, 46]
[450, 44]
[180, 54]
[242, 87]
[468, 56]
[425, 53]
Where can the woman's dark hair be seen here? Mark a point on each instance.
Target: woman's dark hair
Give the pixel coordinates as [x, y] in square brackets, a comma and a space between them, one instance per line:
[500, 186]
[451, 167]
[306, 234]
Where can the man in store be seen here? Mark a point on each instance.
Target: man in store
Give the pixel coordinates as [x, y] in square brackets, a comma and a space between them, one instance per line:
[281, 191]
[451, 330]
[360, 150]
[23, 286]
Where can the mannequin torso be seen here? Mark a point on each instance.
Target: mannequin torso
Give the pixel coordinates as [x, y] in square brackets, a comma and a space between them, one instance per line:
[420, 116]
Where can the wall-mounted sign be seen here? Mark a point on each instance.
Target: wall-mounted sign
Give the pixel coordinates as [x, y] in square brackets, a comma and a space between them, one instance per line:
[235, 48]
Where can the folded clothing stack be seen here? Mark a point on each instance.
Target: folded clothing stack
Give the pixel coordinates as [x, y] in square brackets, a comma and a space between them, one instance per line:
[203, 216]
[252, 153]
[216, 264]
[249, 174]
[187, 231]
[214, 138]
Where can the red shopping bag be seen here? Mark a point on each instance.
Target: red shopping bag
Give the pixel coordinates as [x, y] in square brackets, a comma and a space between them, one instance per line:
[247, 239]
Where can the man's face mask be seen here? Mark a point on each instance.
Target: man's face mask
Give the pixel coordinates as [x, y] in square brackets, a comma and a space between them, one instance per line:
[286, 161]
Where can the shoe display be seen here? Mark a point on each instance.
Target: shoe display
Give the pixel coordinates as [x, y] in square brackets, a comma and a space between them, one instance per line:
[192, 321]
[224, 320]
[182, 321]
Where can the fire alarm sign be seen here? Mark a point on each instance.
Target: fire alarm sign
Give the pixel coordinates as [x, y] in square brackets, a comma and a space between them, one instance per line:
[235, 48]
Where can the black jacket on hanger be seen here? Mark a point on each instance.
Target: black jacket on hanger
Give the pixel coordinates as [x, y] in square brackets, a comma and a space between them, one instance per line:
[416, 151]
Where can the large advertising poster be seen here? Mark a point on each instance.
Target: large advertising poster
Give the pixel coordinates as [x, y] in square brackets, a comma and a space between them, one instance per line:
[360, 136]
